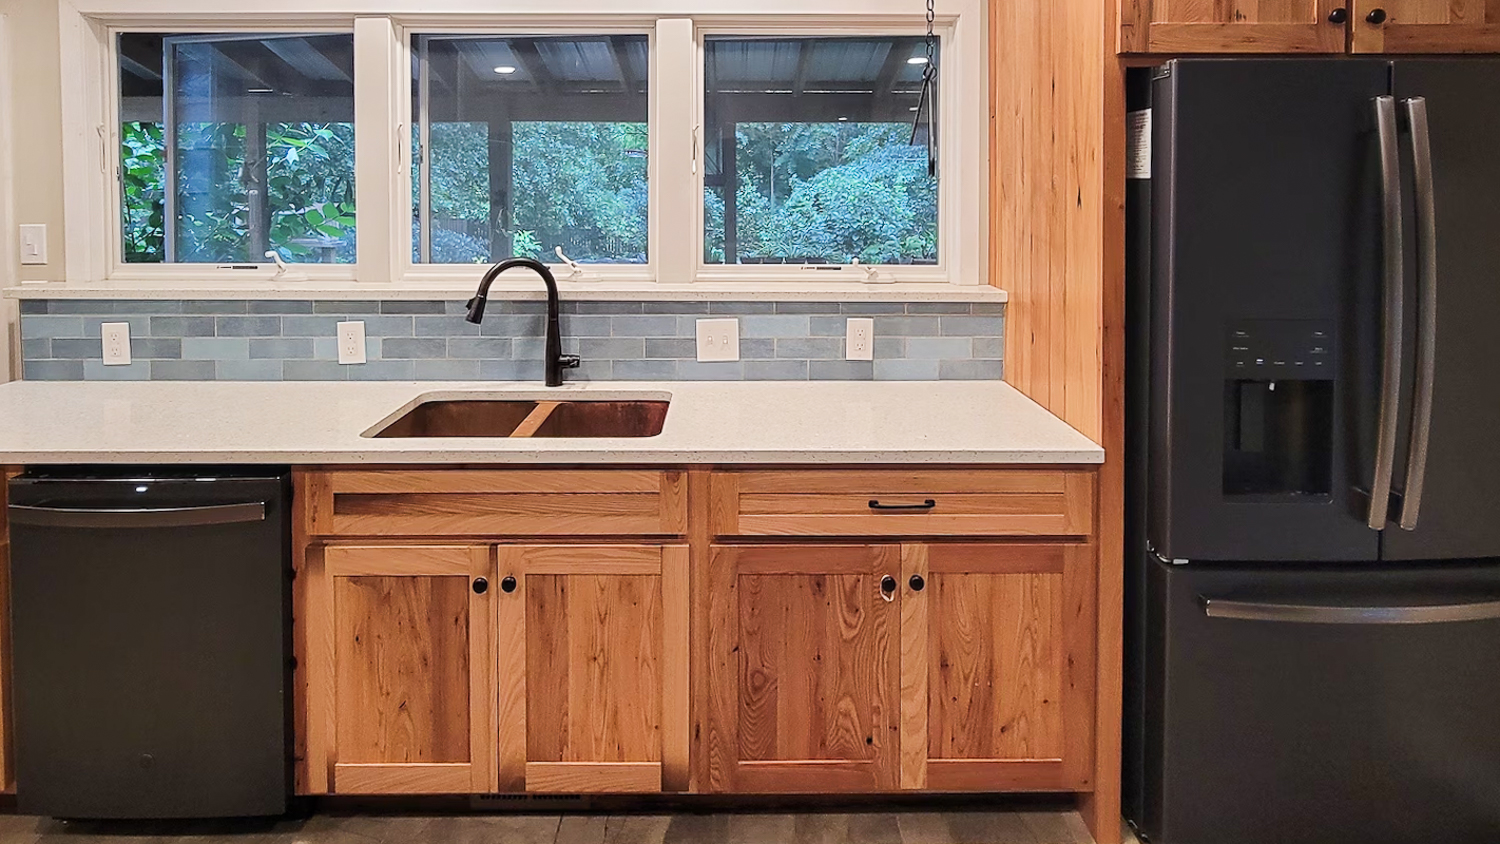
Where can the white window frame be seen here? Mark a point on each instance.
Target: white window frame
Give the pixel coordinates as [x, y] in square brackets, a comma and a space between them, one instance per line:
[383, 178]
[962, 148]
[91, 150]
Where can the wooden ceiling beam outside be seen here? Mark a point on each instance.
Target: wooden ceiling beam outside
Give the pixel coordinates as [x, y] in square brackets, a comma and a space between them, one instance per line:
[307, 59]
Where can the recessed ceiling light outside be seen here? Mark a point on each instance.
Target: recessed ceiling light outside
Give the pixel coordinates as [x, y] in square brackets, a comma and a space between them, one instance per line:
[259, 91]
[505, 70]
[917, 60]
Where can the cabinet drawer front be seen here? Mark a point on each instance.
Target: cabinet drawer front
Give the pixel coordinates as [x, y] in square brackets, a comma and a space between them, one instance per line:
[489, 503]
[904, 503]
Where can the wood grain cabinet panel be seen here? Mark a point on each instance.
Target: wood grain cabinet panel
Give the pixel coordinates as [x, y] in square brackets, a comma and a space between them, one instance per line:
[411, 673]
[892, 503]
[592, 668]
[1233, 26]
[803, 671]
[493, 503]
[1426, 26]
[997, 667]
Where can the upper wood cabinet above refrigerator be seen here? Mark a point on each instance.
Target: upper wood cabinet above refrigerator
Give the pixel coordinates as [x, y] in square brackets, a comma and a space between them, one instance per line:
[1233, 26]
[1425, 26]
[1185, 27]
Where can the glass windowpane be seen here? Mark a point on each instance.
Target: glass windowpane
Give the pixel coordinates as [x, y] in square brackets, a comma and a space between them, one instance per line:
[809, 154]
[532, 143]
[233, 145]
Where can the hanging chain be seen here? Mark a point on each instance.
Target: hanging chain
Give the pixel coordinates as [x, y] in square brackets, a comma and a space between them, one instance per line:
[927, 101]
[931, 68]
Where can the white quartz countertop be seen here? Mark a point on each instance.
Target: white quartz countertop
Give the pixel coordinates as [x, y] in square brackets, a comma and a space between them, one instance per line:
[708, 422]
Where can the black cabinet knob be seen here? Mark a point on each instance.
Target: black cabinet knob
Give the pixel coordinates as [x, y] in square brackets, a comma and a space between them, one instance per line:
[917, 583]
[888, 586]
[1376, 16]
[508, 585]
[481, 586]
[1338, 16]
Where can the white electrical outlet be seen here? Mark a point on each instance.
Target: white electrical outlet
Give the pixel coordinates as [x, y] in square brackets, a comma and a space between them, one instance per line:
[116, 336]
[351, 342]
[860, 340]
[718, 339]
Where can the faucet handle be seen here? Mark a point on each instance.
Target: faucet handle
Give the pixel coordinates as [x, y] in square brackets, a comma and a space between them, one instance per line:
[569, 361]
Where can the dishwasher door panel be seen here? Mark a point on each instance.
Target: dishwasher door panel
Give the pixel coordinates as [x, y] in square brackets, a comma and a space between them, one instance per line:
[1320, 706]
[150, 648]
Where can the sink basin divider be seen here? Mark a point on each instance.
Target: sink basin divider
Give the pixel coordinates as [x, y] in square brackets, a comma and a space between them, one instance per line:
[534, 420]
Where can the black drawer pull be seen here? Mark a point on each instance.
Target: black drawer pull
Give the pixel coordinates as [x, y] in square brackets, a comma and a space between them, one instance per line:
[508, 584]
[481, 586]
[903, 508]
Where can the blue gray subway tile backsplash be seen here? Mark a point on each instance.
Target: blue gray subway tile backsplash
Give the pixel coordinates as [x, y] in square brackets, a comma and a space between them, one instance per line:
[294, 340]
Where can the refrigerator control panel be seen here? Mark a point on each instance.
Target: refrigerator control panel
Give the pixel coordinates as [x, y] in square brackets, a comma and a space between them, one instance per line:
[1280, 349]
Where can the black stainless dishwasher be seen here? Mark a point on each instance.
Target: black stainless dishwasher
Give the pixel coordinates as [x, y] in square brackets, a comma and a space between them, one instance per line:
[152, 647]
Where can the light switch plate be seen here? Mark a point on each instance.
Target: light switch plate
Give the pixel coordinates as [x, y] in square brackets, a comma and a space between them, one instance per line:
[34, 243]
[351, 342]
[859, 343]
[718, 340]
[116, 337]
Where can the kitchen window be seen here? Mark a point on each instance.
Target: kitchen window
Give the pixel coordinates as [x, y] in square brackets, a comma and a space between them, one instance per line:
[530, 146]
[772, 147]
[811, 152]
[235, 145]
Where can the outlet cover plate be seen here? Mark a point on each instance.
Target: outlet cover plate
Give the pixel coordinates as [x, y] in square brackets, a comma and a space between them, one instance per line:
[351, 342]
[859, 343]
[718, 340]
[116, 338]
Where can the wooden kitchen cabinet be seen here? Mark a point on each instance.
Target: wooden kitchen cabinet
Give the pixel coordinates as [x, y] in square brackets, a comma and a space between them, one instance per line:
[593, 668]
[997, 667]
[975, 675]
[1425, 26]
[803, 668]
[791, 636]
[1183, 27]
[409, 665]
[1233, 26]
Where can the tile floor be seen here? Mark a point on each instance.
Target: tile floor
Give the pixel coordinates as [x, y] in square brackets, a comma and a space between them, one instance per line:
[948, 827]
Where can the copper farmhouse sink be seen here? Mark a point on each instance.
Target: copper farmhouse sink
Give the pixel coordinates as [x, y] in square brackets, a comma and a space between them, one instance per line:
[512, 418]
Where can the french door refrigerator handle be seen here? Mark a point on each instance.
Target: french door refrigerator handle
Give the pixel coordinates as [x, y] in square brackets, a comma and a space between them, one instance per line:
[1317, 614]
[1390, 357]
[1427, 271]
[73, 517]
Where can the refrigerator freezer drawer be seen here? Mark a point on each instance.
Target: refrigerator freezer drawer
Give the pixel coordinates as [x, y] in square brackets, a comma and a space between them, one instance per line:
[1325, 706]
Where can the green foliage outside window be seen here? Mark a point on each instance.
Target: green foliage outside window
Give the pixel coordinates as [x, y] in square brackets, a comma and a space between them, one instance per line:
[309, 178]
[828, 191]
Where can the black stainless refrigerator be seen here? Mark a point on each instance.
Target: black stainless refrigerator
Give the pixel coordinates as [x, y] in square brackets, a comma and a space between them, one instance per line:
[1313, 618]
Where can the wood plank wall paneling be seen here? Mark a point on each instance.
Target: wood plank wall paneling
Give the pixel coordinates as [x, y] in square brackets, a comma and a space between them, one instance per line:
[1057, 234]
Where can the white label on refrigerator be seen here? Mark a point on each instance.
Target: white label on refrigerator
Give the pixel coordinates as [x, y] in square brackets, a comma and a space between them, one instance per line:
[1138, 144]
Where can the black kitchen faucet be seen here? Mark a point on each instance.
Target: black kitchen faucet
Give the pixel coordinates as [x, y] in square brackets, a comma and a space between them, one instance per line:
[556, 361]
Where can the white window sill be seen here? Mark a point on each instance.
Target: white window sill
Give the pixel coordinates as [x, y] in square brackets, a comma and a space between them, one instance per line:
[518, 289]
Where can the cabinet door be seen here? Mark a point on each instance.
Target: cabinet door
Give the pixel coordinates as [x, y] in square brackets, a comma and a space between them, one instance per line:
[411, 665]
[997, 667]
[803, 668]
[1233, 26]
[593, 668]
[1426, 26]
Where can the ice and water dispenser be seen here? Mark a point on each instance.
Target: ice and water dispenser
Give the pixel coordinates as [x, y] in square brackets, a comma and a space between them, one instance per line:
[1278, 408]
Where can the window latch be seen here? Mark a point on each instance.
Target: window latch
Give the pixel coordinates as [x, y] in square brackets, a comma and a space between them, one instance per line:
[872, 273]
[575, 270]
